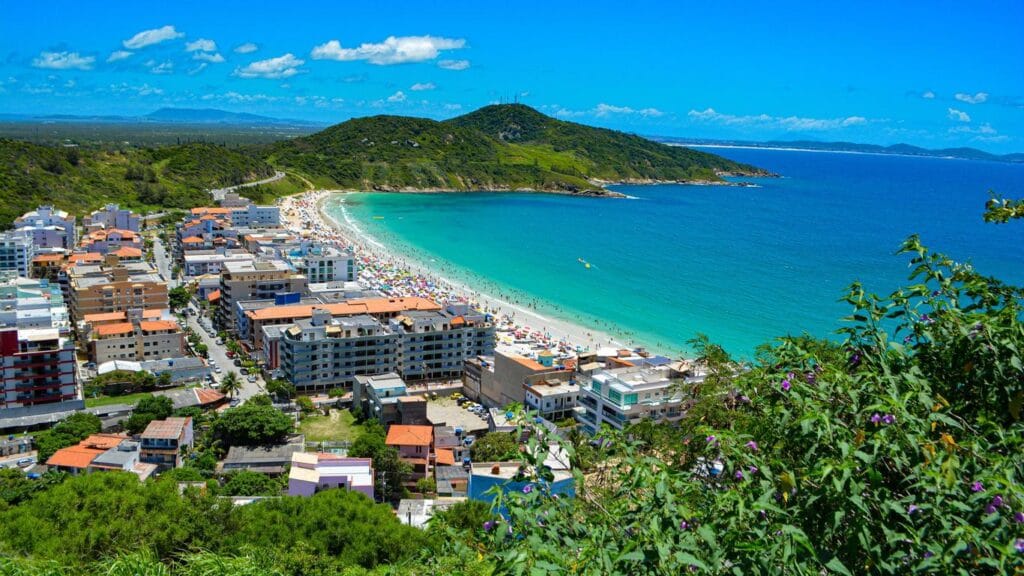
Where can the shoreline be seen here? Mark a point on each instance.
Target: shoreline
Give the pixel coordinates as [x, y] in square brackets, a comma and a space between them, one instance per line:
[401, 274]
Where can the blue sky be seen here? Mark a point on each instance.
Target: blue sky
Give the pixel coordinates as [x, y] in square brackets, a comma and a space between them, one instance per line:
[934, 74]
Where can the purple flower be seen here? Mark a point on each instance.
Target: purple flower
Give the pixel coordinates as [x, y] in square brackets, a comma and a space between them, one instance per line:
[911, 509]
[855, 360]
[926, 319]
[811, 377]
[977, 486]
[752, 469]
[709, 439]
[888, 419]
[997, 501]
[752, 445]
[936, 293]
[1019, 545]
[1019, 517]
[790, 376]
[528, 488]
[928, 554]
[744, 400]
[739, 474]
[683, 524]
[785, 385]
[875, 418]
[907, 339]
[488, 526]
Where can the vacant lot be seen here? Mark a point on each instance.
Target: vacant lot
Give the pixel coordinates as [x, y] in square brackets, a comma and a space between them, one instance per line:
[339, 426]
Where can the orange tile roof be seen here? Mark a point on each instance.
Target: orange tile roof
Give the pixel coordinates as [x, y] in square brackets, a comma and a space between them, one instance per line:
[405, 435]
[569, 364]
[85, 257]
[446, 456]
[154, 325]
[111, 329]
[192, 240]
[103, 317]
[83, 453]
[127, 252]
[152, 313]
[209, 210]
[350, 308]
[619, 362]
[527, 362]
[169, 428]
[213, 296]
[48, 258]
[103, 441]
[208, 396]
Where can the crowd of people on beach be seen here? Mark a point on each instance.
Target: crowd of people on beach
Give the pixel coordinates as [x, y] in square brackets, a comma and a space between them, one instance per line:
[382, 271]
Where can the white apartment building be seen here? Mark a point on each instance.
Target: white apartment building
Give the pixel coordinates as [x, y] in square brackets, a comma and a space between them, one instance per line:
[112, 216]
[624, 396]
[49, 228]
[17, 250]
[434, 345]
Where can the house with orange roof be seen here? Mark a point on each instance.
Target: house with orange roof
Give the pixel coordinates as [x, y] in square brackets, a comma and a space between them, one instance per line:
[99, 453]
[48, 265]
[138, 335]
[415, 446]
[107, 241]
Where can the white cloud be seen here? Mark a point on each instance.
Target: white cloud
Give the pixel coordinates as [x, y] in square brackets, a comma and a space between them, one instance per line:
[453, 64]
[955, 114]
[787, 123]
[421, 86]
[928, 95]
[165, 67]
[393, 50]
[246, 48]
[602, 110]
[983, 133]
[143, 90]
[213, 57]
[397, 97]
[238, 98]
[69, 84]
[197, 69]
[284, 66]
[119, 55]
[150, 37]
[453, 107]
[972, 99]
[63, 61]
[201, 45]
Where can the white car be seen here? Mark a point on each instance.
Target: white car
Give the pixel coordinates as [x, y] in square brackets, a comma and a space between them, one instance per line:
[216, 369]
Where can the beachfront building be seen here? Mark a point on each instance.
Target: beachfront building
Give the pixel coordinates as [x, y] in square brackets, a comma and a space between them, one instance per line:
[382, 309]
[434, 345]
[253, 216]
[254, 280]
[415, 446]
[498, 381]
[111, 240]
[132, 335]
[37, 366]
[163, 441]
[553, 395]
[324, 264]
[624, 396]
[114, 287]
[50, 228]
[310, 473]
[17, 251]
[112, 216]
[323, 352]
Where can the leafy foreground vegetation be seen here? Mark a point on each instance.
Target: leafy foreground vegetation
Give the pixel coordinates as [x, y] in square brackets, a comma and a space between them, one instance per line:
[81, 179]
[500, 147]
[897, 451]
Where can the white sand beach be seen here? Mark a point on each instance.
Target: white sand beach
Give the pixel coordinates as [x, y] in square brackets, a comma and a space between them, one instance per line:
[394, 274]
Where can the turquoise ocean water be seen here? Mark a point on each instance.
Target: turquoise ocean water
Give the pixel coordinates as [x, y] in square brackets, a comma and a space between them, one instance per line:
[742, 265]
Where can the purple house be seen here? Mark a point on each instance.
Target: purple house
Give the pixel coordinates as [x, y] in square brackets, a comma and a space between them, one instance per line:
[311, 473]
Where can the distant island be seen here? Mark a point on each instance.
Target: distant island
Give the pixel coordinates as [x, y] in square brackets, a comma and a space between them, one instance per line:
[963, 153]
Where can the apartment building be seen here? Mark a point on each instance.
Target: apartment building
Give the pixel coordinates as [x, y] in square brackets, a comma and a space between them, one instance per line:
[114, 287]
[163, 441]
[200, 262]
[377, 396]
[624, 396]
[133, 335]
[37, 366]
[324, 264]
[311, 473]
[553, 395]
[323, 352]
[110, 240]
[49, 228]
[254, 280]
[27, 303]
[112, 216]
[434, 345]
[16, 252]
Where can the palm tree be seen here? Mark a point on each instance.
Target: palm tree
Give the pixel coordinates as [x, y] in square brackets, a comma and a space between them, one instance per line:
[231, 384]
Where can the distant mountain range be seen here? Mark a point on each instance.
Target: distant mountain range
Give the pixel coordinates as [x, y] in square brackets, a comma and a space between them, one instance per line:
[897, 149]
[170, 116]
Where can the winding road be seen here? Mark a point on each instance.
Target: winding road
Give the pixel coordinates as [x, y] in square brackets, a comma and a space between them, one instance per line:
[219, 193]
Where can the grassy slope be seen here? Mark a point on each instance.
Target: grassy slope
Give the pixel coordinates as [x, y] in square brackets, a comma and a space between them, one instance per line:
[508, 146]
[79, 180]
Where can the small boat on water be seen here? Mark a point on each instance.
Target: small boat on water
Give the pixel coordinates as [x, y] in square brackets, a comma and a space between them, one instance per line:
[378, 217]
[584, 262]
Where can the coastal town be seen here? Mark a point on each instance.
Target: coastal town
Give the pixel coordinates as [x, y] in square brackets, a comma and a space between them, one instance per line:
[162, 327]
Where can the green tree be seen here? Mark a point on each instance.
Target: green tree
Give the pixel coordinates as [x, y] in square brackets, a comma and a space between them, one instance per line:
[148, 409]
[231, 384]
[178, 298]
[252, 424]
[281, 389]
[248, 483]
[495, 447]
[391, 469]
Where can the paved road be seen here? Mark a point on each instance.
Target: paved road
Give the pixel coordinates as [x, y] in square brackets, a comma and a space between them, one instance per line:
[163, 262]
[218, 354]
[219, 193]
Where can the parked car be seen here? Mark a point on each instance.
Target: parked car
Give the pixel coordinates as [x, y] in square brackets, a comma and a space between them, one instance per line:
[230, 354]
[216, 369]
[235, 402]
[238, 362]
[252, 378]
[220, 342]
[24, 462]
[244, 371]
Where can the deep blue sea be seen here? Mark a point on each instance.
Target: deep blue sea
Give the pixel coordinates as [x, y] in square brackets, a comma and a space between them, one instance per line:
[741, 264]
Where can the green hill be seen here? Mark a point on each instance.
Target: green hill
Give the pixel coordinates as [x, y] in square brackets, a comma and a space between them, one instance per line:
[81, 179]
[494, 148]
